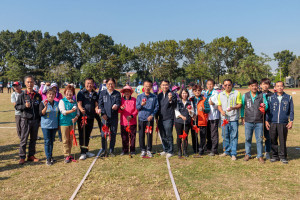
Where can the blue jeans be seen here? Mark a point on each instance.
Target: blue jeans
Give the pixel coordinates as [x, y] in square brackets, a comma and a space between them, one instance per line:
[268, 140]
[258, 129]
[231, 134]
[49, 135]
[166, 132]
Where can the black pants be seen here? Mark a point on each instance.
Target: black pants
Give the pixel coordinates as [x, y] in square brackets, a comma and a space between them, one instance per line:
[18, 124]
[179, 129]
[212, 136]
[98, 118]
[199, 147]
[142, 127]
[281, 131]
[84, 139]
[125, 138]
[28, 127]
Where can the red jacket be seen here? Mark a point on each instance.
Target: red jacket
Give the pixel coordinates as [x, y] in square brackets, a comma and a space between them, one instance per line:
[130, 109]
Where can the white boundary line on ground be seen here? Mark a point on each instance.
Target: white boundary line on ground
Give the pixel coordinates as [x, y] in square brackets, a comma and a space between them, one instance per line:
[7, 127]
[83, 179]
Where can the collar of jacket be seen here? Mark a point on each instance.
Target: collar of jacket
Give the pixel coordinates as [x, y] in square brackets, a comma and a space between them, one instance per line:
[85, 91]
[283, 94]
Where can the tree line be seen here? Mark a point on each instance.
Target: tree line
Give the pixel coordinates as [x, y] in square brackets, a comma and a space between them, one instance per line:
[72, 57]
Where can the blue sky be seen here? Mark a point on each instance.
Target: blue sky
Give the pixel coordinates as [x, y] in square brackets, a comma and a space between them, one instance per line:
[270, 25]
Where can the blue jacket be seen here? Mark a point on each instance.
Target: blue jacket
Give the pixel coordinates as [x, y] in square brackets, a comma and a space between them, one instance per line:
[150, 108]
[280, 112]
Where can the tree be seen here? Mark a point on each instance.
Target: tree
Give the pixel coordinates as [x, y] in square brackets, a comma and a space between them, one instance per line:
[295, 70]
[284, 58]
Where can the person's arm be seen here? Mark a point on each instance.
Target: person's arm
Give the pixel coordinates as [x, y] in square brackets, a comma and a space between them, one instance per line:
[80, 99]
[265, 102]
[101, 104]
[243, 107]
[42, 109]
[135, 112]
[220, 106]
[138, 103]
[20, 104]
[156, 106]
[118, 99]
[238, 102]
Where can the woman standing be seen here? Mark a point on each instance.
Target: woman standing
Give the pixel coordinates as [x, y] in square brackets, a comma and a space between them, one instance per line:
[183, 114]
[57, 98]
[69, 114]
[49, 123]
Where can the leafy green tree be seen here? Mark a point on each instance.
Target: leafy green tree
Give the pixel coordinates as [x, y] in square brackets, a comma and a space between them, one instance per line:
[284, 58]
[295, 70]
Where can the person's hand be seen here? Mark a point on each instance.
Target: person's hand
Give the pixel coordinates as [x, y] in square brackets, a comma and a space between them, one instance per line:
[104, 117]
[71, 101]
[210, 102]
[150, 118]
[129, 118]
[229, 109]
[289, 125]
[267, 125]
[27, 104]
[98, 111]
[74, 119]
[183, 118]
[223, 113]
[243, 120]
[114, 107]
[46, 103]
[170, 96]
[82, 111]
[144, 101]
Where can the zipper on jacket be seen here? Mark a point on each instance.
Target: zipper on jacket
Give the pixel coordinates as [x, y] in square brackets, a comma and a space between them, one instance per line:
[279, 111]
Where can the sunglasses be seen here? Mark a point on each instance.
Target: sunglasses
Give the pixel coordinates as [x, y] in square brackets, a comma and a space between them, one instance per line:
[227, 85]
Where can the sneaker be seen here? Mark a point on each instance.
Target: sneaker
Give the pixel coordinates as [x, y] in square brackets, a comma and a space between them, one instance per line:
[261, 160]
[32, 158]
[163, 153]
[247, 157]
[149, 154]
[211, 154]
[123, 154]
[233, 158]
[143, 153]
[82, 157]
[21, 161]
[89, 154]
[274, 159]
[267, 156]
[169, 155]
[48, 162]
[52, 160]
[284, 161]
[67, 159]
[223, 155]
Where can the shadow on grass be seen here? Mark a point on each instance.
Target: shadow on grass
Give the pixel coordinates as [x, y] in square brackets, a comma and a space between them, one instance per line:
[7, 110]
[7, 122]
[17, 166]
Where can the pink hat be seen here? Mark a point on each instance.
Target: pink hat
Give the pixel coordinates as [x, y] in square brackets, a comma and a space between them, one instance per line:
[127, 87]
[175, 88]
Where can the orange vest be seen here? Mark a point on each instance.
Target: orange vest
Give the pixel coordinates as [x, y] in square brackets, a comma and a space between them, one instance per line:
[202, 116]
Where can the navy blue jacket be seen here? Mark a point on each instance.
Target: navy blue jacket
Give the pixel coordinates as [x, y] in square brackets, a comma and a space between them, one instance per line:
[106, 102]
[280, 112]
[166, 109]
[150, 108]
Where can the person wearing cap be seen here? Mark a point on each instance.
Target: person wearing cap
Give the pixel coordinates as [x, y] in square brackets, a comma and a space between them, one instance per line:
[155, 88]
[28, 104]
[175, 90]
[14, 97]
[128, 118]
[57, 98]
[46, 87]
[41, 87]
[109, 103]
[147, 106]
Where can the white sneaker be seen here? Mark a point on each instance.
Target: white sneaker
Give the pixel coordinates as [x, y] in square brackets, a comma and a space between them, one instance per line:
[233, 158]
[223, 155]
[169, 155]
[82, 157]
[267, 156]
[149, 154]
[89, 154]
[143, 153]
[163, 153]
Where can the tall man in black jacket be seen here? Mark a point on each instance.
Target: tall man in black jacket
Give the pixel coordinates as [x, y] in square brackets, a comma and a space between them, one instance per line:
[28, 104]
[167, 104]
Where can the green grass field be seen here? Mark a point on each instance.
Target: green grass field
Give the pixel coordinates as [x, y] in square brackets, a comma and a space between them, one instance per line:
[137, 178]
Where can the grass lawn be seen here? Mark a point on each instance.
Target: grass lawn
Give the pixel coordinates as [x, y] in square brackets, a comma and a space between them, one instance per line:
[137, 178]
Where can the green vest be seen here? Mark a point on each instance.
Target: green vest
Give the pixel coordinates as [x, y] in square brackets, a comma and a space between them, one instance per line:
[66, 120]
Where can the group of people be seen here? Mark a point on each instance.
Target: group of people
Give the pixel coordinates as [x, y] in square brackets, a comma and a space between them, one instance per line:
[268, 114]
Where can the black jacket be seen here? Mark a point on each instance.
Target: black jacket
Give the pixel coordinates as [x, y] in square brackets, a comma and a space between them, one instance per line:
[33, 111]
[166, 109]
[106, 102]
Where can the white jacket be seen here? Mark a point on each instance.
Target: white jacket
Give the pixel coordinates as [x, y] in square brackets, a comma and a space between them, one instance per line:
[214, 112]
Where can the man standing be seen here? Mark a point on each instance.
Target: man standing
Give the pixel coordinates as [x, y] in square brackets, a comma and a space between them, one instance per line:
[28, 104]
[147, 105]
[87, 104]
[280, 118]
[13, 99]
[252, 118]
[213, 119]
[229, 103]
[167, 102]
[265, 85]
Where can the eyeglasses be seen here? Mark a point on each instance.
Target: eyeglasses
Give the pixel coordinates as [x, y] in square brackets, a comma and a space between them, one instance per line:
[227, 85]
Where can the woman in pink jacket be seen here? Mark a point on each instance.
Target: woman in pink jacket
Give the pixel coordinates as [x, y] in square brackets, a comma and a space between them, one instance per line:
[128, 119]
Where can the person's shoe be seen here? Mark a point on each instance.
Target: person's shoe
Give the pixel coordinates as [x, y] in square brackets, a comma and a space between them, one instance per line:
[111, 154]
[21, 161]
[247, 157]
[52, 160]
[143, 153]
[67, 159]
[60, 139]
[261, 160]
[185, 154]
[267, 156]
[123, 153]
[149, 154]
[89, 154]
[132, 153]
[274, 159]
[163, 153]
[211, 154]
[223, 155]
[32, 159]
[82, 157]
[48, 162]
[169, 155]
[284, 161]
[233, 158]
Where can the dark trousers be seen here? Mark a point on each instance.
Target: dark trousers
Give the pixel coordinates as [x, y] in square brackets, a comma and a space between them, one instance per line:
[28, 127]
[112, 124]
[84, 138]
[268, 139]
[49, 135]
[125, 138]
[199, 147]
[278, 131]
[142, 127]
[179, 129]
[212, 136]
[166, 133]
[98, 118]
[18, 124]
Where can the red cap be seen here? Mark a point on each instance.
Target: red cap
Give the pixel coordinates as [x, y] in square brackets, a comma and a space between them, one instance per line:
[16, 83]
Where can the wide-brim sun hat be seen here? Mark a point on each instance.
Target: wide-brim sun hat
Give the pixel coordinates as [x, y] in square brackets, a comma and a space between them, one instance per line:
[53, 85]
[127, 87]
